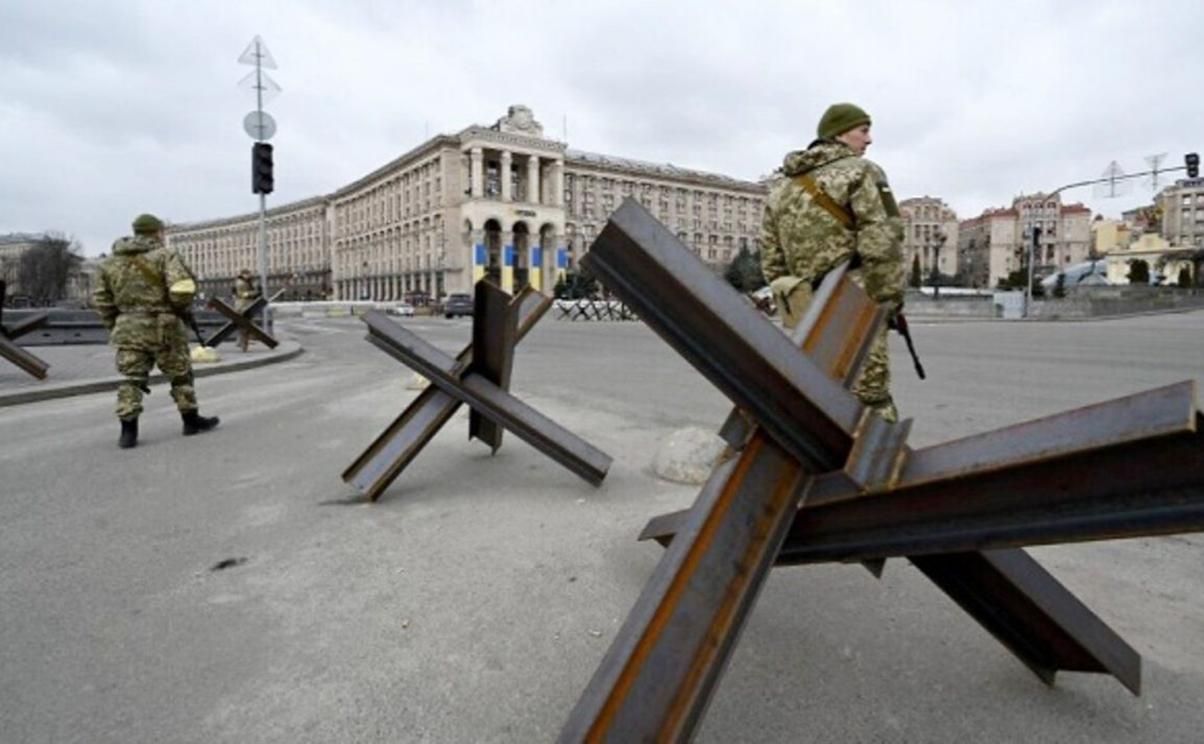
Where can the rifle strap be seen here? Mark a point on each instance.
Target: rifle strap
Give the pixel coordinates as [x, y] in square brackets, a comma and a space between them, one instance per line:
[820, 197]
[152, 277]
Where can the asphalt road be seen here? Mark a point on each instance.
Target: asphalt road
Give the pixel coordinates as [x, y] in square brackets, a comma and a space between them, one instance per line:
[474, 601]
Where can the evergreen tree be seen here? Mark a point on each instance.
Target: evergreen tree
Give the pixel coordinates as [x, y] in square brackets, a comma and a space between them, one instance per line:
[1139, 272]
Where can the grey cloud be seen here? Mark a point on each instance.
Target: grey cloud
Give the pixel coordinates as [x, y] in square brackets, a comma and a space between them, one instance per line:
[110, 109]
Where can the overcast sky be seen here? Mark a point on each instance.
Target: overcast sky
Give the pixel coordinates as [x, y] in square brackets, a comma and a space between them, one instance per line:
[109, 109]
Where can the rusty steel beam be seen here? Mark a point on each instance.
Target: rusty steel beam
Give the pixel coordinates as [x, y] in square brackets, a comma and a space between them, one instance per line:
[390, 453]
[661, 670]
[31, 364]
[658, 675]
[724, 337]
[242, 319]
[24, 326]
[473, 389]
[494, 332]
[1032, 614]
[9, 350]
[1139, 471]
[955, 496]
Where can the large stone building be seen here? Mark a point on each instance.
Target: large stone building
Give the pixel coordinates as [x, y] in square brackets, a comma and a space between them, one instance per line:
[503, 201]
[1182, 207]
[298, 238]
[930, 231]
[987, 247]
[994, 244]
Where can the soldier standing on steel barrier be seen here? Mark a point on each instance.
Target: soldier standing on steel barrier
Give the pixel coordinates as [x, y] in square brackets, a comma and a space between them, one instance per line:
[142, 291]
[245, 294]
[832, 206]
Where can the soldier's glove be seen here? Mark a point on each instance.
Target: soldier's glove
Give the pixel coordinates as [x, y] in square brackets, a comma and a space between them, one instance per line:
[144, 388]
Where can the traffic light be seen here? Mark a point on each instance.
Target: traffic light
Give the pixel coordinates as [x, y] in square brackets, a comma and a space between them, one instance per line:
[1193, 164]
[262, 181]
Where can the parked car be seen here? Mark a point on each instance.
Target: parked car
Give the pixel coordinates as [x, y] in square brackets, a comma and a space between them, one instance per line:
[418, 298]
[457, 303]
[404, 309]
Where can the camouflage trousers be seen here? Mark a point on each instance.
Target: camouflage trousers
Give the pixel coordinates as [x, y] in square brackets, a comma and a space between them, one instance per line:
[136, 365]
[872, 388]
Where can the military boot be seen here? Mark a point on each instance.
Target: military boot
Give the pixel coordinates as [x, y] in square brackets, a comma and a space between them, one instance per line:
[129, 433]
[195, 423]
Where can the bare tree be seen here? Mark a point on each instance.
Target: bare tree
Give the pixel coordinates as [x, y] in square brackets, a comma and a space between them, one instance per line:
[45, 268]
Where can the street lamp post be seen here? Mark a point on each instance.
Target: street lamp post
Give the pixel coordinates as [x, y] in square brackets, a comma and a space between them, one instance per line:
[939, 239]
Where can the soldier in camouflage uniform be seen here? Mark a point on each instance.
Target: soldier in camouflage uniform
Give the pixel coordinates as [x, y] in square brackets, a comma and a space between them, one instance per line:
[141, 292]
[245, 295]
[832, 206]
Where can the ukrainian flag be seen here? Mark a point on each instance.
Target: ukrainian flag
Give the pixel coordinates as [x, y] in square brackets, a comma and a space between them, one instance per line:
[508, 268]
[562, 262]
[480, 257]
[536, 270]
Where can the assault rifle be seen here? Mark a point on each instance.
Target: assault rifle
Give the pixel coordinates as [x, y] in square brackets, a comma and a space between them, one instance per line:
[190, 320]
[898, 322]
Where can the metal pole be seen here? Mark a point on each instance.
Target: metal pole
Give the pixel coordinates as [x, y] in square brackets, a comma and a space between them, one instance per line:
[1028, 287]
[263, 229]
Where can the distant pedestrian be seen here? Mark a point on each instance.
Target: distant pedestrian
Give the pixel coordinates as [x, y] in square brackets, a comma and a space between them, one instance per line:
[245, 295]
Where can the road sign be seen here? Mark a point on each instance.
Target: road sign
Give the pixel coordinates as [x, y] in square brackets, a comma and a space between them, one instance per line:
[259, 125]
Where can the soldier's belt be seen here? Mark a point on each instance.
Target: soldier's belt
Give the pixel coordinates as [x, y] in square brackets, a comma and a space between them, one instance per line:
[147, 311]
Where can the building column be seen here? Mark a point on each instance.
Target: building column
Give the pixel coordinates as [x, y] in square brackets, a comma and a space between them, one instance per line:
[561, 257]
[508, 260]
[506, 158]
[558, 183]
[477, 174]
[533, 179]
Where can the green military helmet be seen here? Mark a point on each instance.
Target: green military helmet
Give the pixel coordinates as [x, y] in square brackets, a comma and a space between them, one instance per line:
[840, 118]
[147, 224]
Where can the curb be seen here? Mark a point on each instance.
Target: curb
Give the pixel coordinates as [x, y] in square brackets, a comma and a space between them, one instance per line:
[1122, 316]
[69, 389]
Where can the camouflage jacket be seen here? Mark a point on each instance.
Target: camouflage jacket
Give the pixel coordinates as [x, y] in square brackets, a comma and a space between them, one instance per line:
[138, 291]
[801, 241]
[245, 292]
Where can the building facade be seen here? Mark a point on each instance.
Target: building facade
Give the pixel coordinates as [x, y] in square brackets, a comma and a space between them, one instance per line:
[1182, 208]
[930, 231]
[996, 243]
[987, 247]
[502, 201]
[1108, 235]
[1065, 231]
[298, 250]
